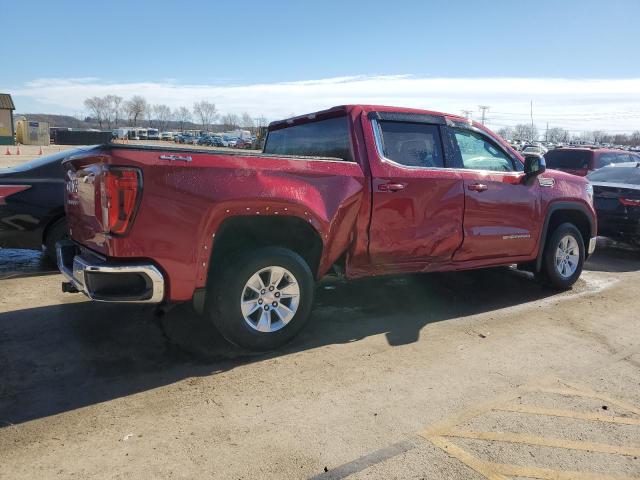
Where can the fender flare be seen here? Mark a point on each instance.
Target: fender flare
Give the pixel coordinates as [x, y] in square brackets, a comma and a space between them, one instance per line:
[554, 207]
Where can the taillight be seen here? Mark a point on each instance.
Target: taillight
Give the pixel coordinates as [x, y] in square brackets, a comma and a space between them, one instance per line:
[630, 202]
[120, 191]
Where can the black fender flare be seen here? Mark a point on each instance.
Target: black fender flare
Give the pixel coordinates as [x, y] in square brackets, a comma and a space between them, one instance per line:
[554, 207]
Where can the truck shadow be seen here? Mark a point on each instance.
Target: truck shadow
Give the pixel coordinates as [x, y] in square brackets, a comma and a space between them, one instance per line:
[66, 356]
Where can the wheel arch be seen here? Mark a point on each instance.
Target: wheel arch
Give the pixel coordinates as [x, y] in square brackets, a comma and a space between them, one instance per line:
[571, 212]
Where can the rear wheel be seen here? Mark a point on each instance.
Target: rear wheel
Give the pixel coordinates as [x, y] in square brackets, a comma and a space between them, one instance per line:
[55, 233]
[563, 257]
[261, 299]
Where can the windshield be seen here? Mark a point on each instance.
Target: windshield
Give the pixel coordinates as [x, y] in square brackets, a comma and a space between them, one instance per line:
[630, 174]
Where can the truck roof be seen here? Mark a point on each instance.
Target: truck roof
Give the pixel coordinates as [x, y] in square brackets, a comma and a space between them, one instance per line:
[347, 109]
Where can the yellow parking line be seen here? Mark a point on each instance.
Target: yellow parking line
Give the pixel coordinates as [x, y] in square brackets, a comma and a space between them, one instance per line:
[546, 442]
[555, 412]
[588, 394]
[480, 466]
[549, 473]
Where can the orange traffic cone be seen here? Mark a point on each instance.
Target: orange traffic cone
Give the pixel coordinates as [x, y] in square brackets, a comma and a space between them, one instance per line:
[40, 152]
[8, 152]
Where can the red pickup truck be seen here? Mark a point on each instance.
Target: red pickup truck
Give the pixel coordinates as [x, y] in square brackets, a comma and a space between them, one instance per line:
[362, 190]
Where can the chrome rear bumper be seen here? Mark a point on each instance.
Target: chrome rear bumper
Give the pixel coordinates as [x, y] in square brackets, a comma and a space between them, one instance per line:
[109, 282]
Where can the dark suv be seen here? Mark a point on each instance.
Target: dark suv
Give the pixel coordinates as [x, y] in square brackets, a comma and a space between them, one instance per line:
[582, 160]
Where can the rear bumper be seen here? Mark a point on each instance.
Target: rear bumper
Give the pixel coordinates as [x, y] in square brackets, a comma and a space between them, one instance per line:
[107, 281]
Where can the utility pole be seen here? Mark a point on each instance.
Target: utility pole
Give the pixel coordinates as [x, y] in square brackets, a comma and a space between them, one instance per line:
[483, 109]
[531, 113]
[546, 133]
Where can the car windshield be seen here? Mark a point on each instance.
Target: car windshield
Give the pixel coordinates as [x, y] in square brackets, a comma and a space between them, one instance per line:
[571, 159]
[618, 174]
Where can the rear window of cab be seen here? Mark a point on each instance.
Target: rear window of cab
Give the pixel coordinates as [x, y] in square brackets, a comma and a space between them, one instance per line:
[322, 138]
[569, 159]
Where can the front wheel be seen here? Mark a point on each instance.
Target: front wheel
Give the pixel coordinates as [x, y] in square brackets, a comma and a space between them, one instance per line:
[261, 299]
[563, 257]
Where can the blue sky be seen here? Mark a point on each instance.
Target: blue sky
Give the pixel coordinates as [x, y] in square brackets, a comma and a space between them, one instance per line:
[175, 50]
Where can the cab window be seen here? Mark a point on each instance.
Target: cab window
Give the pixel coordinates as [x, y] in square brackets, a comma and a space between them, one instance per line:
[478, 153]
[412, 144]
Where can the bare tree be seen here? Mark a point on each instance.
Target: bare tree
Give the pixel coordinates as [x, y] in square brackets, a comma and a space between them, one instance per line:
[525, 131]
[506, 133]
[162, 114]
[182, 115]
[556, 134]
[247, 122]
[115, 103]
[262, 121]
[136, 108]
[230, 120]
[206, 112]
[98, 107]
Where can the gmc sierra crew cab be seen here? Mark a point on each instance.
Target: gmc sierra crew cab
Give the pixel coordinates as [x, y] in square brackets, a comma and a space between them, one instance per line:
[358, 189]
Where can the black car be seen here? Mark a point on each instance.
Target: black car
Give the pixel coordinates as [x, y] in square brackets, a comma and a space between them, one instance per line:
[32, 204]
[616, 191]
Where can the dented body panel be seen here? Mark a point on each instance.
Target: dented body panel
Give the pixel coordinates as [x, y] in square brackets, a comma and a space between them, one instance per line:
[433, 221]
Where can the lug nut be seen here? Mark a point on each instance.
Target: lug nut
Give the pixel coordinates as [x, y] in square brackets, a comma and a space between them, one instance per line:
[277, 295]
[260, 302]
[275, 304]
[266, 308]
[271, 289]
[263, 291]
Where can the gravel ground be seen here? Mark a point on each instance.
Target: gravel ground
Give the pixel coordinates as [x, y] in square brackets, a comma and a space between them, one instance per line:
[384, 383]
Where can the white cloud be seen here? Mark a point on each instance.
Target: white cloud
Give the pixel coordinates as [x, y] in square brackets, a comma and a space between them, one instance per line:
[610, 104]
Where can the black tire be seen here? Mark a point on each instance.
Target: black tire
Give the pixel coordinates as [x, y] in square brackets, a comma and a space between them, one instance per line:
[549, 274]
[56, 232]
[226, 290]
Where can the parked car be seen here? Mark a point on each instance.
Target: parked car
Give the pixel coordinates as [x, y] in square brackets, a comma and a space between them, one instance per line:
[232, 142]
[616, 190]
[166, 136]
[535, 149]
[32, 204]
[362, 190]
[580, 160]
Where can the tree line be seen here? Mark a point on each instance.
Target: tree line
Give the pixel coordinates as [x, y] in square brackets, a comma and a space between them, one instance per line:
[530, 133]
[112, 111]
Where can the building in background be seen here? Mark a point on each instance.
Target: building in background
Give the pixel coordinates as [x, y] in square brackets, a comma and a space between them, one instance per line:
[7, 132]
[32, 133]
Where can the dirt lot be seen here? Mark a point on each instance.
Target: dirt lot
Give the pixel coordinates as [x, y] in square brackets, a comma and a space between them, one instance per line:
[466, 375]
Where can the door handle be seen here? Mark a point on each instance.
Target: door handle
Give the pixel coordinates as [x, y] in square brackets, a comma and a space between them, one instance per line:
[477, 187]
[390, 187]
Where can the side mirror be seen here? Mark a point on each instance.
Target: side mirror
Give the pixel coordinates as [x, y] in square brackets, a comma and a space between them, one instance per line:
[534, 165]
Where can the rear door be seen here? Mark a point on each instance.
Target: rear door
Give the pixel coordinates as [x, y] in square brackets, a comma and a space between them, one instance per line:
[417, 202]
[502, 214]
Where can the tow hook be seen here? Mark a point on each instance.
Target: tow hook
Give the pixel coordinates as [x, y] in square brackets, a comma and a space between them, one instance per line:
[68, 287]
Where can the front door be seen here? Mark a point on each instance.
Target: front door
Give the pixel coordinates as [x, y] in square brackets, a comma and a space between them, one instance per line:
[502, 212]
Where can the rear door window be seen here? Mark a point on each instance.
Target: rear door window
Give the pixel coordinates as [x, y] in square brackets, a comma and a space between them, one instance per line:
[412, 144]
[323, 138]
